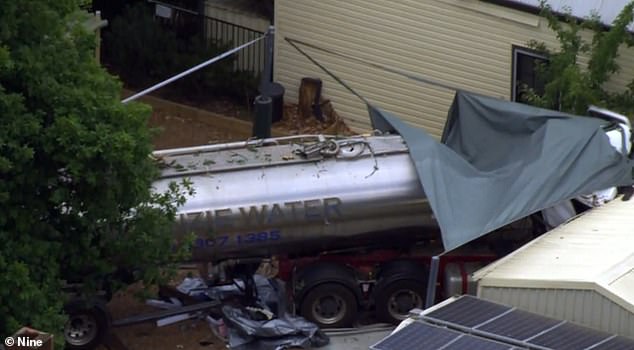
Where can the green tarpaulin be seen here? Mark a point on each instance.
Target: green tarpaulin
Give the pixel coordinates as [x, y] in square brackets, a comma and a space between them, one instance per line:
[501, 161]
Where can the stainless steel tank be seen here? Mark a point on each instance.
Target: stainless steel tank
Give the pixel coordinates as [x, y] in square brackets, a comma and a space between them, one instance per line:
[297, 195]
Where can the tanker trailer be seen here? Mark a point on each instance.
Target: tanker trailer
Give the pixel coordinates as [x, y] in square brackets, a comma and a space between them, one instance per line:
[301, 194]
[347, 219]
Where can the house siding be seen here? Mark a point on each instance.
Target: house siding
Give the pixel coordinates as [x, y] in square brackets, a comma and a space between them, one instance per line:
[585, 307]
[465, 44]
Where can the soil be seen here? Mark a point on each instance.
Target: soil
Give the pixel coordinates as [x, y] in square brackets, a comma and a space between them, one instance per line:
[192, 123]
[180, 131]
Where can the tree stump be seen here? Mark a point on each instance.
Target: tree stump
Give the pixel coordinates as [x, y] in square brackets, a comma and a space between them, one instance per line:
[309, 103]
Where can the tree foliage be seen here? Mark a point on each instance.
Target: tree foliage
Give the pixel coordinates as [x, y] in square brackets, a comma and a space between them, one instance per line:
[75, 172]
[572, 88]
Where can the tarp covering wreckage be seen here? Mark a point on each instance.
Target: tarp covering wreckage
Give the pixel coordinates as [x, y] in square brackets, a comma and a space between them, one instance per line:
[501, 161]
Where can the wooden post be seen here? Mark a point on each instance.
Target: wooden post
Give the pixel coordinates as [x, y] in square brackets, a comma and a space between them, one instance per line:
[98, 38]
[95, 23]
[309, 103]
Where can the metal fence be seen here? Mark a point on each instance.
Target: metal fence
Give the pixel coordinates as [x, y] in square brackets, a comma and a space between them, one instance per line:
[250, 59]
[187, 23]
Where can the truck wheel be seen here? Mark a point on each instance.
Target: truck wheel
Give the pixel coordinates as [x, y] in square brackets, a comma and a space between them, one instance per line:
[86, 327]
[330, 305]
[394, 300]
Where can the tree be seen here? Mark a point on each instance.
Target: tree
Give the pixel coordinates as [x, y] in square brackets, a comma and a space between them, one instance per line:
[571, 88]
[75, 172]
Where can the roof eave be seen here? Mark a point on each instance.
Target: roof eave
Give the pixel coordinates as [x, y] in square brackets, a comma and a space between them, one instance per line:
[537, 10]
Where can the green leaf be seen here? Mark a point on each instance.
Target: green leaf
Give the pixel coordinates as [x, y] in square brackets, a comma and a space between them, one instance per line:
[568, 87]
[76, 177]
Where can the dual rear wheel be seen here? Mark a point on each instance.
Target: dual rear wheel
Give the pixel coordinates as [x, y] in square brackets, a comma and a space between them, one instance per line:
[400, 287]
[330, 305]
[394, 300]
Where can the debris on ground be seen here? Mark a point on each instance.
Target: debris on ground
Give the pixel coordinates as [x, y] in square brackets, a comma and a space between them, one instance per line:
[332, 123]
[260, 323]
[250, 330]
[268, 325]
[193, 286]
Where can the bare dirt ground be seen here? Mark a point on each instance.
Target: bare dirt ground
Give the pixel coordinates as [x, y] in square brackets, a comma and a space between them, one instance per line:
[221, 121]
[180, 131]
[185, 126]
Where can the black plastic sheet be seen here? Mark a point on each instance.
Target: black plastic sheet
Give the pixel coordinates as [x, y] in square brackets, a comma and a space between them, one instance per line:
[253, 331]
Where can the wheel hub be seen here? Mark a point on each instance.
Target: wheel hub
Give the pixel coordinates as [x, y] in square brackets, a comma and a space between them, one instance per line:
[402, 301]
[80, 329]
[329, 309]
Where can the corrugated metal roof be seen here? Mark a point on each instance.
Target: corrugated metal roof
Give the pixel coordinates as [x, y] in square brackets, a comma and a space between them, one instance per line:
[595, 251]
[608, 10]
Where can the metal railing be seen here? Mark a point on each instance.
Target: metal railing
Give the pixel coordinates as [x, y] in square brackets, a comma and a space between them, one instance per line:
[187, 23]
[250, 59]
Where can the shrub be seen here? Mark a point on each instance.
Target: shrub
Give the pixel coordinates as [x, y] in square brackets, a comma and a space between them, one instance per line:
[75, 196]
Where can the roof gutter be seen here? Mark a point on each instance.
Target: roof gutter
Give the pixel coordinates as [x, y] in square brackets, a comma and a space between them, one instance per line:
[536, 10]
[516, 5]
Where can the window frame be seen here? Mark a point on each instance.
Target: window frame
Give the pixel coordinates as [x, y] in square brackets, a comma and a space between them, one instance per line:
[515, 50]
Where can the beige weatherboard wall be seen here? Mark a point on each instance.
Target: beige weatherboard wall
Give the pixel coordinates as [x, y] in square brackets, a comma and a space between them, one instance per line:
[463, 43]
[582, 271]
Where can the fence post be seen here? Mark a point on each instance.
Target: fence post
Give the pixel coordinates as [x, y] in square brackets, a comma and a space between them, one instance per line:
[431, 282]
[202, 13]
[267, 73]
[262, 118]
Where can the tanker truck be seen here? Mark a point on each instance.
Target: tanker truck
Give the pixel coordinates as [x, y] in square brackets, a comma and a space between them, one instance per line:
[344, 220]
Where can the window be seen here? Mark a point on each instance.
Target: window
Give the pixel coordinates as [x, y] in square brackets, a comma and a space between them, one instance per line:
[525, 72]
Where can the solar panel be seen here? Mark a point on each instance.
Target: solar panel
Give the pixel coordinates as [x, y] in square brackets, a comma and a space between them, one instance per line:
[518, 328]
[474, 343]
[616, 343]
[417, 335]
[469, 311]
[569, 336]
[519, 325]
[423, 336]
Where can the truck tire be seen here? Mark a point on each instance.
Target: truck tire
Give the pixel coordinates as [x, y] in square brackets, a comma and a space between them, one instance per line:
[330, 305]
[394, 300]
[401, 286]
[87, 325]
